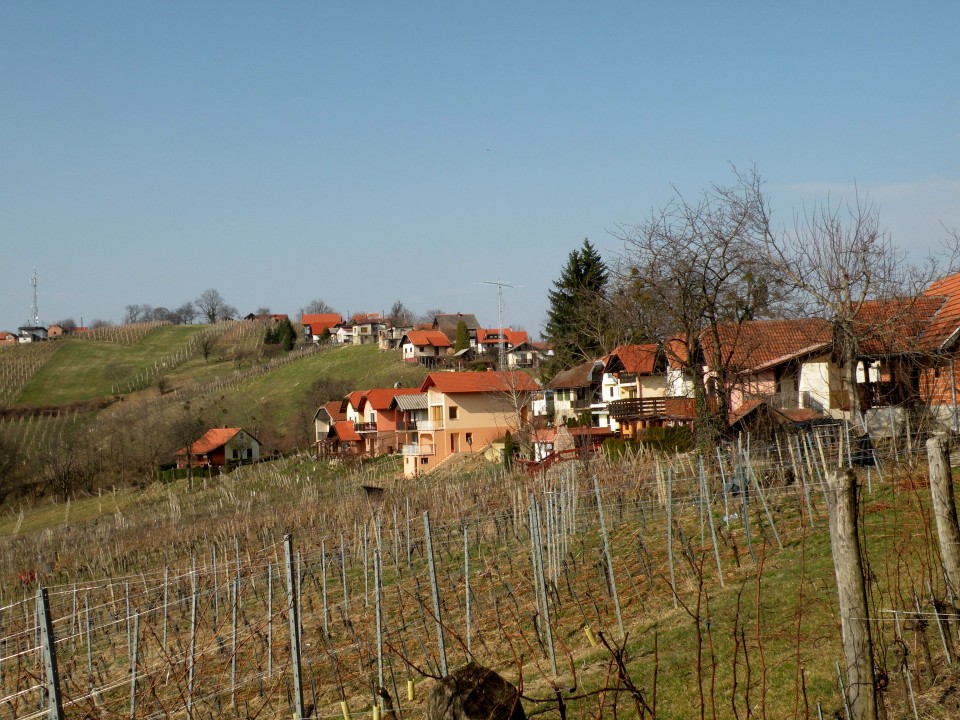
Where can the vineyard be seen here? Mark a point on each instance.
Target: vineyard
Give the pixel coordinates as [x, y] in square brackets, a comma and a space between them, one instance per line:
[18, 365]
[657, 586]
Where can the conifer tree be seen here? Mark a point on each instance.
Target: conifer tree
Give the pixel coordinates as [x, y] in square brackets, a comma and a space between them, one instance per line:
[575, 320]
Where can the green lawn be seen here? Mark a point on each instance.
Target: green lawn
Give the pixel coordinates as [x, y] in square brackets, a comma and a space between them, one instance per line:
[86, 369]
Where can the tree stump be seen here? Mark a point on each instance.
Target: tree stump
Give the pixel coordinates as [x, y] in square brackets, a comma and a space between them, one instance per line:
[474, 692]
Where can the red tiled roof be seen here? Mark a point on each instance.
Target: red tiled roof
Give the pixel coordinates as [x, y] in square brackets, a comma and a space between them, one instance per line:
[488, 336]
[761, 344]
[361, 318]
[319, 322]
[902, 325]
[944, 327]
[380, 398]
[345, 431]
[422, 338]
[334, 409]
[676, 350]
[211, 440]
[634, 359]
[355, 398]
[480, 382]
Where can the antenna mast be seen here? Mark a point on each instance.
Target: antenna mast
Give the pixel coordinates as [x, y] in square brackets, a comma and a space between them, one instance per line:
[36, 307]
[501, 341]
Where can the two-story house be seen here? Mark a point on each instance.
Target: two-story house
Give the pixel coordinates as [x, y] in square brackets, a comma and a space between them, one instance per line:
[574, 393]
[466, 412]
[427, 347]
[382, 422]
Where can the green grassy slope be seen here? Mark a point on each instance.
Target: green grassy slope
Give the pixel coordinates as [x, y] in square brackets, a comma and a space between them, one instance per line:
[86, 369]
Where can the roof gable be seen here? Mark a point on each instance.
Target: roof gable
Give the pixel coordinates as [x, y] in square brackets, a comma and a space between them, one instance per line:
[635, 359]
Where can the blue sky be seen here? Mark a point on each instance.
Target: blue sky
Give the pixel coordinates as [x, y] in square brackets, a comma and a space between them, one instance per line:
[366, 152]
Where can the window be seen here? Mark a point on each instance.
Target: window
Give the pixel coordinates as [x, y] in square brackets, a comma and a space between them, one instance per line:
[452, 412]
[423, 461]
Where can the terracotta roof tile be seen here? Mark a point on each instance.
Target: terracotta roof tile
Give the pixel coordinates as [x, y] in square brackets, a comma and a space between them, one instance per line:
[760, 344]
[345, 431]
[211, 440]
[480, 382]
[319, 322]
[422, 338]
[902, 325]
[489, 336]
[381, 398]
[944, 328]
[335, 409]
[634, 359]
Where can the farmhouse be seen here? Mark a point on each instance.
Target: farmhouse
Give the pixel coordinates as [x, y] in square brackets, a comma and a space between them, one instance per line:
[220, 447]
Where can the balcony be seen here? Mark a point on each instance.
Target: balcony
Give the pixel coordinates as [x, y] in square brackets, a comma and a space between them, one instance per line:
[418, 450]
[430, 425]
[365, 427]
[650, 408]
[408, 426]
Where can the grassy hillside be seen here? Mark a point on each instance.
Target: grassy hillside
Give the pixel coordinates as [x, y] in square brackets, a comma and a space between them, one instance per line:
[86, 369]
[190, 378]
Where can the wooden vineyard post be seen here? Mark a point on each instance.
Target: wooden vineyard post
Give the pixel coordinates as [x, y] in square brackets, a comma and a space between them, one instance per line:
[436, 594]
[293, 612]
[49, 656]
[859, 687]
[945, 510]
[609, 558]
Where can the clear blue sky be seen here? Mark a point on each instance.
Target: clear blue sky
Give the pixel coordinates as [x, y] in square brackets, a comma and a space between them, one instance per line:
[364, 152]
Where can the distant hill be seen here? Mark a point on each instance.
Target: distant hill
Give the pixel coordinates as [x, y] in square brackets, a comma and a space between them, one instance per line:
[120, 404]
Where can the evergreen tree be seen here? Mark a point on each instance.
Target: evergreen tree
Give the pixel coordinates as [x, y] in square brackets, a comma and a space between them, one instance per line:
[463, 337]
[576, 319]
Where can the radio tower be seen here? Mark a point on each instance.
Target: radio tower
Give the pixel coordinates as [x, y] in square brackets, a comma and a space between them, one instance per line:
[36, 306]
[502, 341]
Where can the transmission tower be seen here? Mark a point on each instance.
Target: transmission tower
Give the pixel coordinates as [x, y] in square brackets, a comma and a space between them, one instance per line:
[502, 341]
[36, 306]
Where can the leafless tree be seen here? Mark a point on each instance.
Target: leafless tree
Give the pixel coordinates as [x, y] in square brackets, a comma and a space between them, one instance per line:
[400, 315]
[316, 307]
[692, 266]
[841, 260]
[211, 305]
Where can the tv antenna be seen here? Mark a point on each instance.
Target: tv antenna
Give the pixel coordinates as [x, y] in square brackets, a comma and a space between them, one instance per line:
[36, 307]
[501, 341]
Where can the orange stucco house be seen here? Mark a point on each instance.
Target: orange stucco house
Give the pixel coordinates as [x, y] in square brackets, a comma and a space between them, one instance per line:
[466, 412]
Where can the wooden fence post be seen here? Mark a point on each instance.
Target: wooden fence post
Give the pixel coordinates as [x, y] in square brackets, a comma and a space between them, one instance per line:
[945, 510]
[860, 690]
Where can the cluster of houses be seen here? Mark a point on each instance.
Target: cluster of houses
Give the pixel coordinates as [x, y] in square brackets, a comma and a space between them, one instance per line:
[432, 344]
[783, 372]
[36, 333]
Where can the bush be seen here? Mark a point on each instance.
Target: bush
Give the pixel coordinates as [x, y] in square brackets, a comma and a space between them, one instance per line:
[671, 437]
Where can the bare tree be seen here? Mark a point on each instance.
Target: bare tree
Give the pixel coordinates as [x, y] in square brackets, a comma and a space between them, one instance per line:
[316, 307]
[211, 305]
[841, 260]
[693, 266]
[400, 315]
[185, 314]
